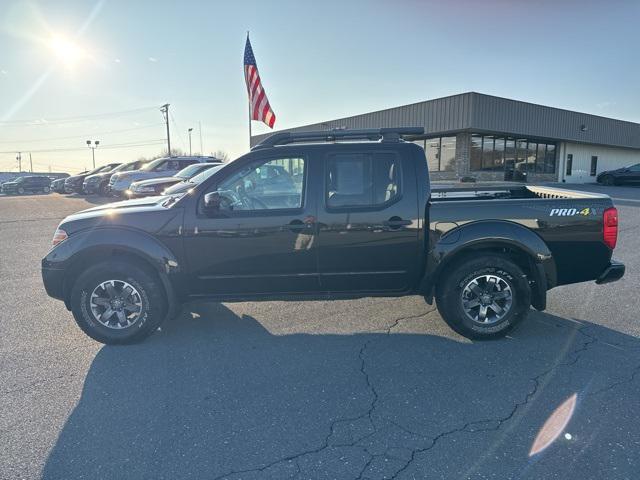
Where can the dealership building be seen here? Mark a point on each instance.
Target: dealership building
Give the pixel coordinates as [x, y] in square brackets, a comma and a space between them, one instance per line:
[494, 138]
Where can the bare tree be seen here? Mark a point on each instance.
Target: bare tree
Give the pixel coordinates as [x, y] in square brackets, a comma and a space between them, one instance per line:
[220, 155]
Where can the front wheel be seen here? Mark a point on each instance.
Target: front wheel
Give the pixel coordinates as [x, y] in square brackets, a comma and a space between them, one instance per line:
[46, 190]
[609, 181]
[118, 303]
[484, 297]
[20, 191]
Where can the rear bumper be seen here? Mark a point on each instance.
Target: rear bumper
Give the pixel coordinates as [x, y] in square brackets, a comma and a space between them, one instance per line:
[613, 273]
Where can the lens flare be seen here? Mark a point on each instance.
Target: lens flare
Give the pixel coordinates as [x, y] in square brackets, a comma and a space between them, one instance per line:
[554, 425]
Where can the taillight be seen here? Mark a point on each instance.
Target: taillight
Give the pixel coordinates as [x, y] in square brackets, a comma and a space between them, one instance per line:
[610, 227]
[58, 237]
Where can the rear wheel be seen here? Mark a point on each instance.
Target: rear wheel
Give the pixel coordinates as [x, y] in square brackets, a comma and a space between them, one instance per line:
[484, 297]
[118, 303]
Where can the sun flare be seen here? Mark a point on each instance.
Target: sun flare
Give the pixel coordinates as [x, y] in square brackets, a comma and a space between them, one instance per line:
[65, 50]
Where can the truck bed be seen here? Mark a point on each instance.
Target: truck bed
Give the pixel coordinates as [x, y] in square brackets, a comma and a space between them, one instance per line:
[452, 192]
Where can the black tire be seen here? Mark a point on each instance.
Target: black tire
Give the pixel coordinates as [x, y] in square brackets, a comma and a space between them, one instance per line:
[450, 295]
[20, 191]
[151, 295]
[102, 189]
[46, 190]
[608, 180]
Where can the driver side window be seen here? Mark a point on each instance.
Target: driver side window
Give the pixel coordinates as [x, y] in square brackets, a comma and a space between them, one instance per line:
[265, 185]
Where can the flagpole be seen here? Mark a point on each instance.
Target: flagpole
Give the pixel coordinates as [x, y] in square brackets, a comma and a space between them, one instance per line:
[249, 124]
[249, 104]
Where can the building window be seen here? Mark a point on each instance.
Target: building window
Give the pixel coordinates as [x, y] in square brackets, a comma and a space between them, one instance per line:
[448, 154]
[432, 150]
[594, 166]
[440, 153]
[550, 159]
[517, 156]
[475, 157]
[569, 164]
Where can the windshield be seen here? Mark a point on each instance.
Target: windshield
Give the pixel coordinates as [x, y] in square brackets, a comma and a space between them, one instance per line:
[153, 164]
[195, 180]
[192, 170]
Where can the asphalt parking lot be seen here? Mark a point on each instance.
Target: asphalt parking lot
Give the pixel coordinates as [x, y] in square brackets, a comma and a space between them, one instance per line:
[371, 388]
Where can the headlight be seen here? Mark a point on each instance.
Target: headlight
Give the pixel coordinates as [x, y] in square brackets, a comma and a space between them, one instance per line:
[59, 237]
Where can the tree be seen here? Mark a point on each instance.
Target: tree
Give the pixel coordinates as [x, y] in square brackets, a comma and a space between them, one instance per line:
[220, 155]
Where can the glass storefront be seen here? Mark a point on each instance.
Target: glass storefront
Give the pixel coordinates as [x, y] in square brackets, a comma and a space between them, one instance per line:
[517, 157]
[440, 152]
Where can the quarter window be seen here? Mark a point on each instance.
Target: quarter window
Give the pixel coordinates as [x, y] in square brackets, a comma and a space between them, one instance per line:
[362, 179]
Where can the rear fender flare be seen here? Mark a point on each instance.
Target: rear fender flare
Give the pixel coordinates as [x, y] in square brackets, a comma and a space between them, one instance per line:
[494, 234]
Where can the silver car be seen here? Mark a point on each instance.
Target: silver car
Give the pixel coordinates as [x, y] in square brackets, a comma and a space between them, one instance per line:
[161, 167]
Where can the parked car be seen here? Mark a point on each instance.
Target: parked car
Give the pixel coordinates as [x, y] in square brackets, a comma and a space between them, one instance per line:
[27, 184]
[74, 183]
[58, 185]
[155, 186]
[363, 221]
[161, 167]
[628, 174]
[99, 182]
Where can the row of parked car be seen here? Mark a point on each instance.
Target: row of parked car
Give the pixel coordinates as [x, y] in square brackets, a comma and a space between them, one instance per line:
[135, 179]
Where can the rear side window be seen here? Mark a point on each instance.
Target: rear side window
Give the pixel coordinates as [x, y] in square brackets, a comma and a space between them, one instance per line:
[362, 179]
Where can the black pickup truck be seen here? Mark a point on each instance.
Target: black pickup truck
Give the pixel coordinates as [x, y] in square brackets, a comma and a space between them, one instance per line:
[333, 214]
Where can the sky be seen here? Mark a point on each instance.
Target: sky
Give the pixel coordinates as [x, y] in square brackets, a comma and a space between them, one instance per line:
[77, 70]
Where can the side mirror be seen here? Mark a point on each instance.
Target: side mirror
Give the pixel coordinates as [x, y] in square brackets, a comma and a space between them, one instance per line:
[212, 203]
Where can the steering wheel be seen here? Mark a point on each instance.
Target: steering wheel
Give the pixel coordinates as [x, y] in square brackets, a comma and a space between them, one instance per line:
[256, 201]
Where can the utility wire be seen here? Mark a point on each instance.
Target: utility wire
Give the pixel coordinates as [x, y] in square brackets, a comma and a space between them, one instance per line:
[43, 121]
[141, 143]
[93, 134]
[173, 120]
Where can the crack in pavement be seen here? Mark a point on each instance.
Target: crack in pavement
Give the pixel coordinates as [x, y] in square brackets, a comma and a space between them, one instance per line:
[483, 425]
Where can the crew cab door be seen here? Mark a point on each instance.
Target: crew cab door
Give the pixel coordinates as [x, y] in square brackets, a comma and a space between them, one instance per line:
[368, 220]
[261, 239]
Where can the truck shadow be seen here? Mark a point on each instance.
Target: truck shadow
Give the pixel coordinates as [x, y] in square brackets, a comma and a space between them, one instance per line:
[214, 393]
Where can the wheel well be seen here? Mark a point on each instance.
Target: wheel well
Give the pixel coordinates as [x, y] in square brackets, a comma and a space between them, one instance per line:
[95, 256]
[517, 255]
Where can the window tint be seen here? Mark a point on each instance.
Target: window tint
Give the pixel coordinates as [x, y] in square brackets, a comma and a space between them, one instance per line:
[266, 185]
[635, 168]
[362, 179]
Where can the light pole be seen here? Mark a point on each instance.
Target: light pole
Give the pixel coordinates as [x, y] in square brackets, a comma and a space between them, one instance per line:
[93, 150]
[190, 130]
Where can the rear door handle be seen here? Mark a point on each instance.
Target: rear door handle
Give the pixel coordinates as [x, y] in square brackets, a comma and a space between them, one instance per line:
[396, 223]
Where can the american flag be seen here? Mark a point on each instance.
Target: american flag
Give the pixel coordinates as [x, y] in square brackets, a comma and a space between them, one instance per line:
[259, 105]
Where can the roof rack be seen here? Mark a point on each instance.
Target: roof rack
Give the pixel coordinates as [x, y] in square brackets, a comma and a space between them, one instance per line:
[384, 134]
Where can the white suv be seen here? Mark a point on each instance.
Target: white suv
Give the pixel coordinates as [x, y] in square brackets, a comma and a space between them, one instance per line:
[161, 167]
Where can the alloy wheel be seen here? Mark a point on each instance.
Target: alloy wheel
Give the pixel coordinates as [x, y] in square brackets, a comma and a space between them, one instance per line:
[486, 299]
[116, 304]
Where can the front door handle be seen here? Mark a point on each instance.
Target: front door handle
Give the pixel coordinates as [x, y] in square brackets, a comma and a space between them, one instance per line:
[299, 225]
[396, 223]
